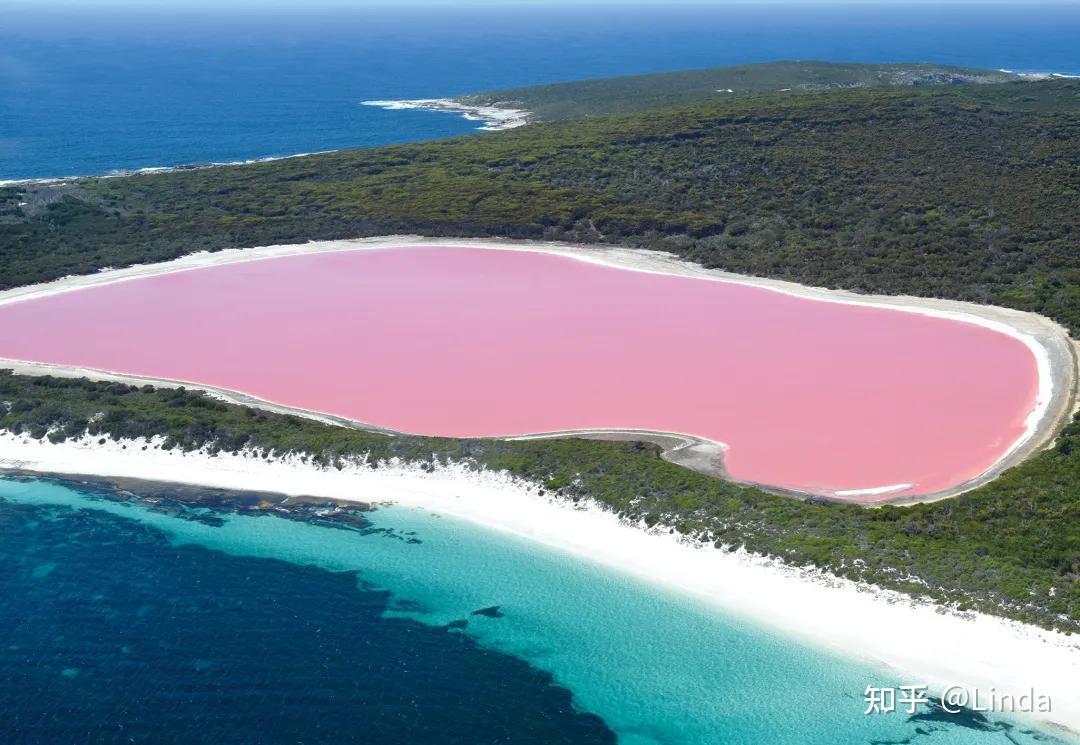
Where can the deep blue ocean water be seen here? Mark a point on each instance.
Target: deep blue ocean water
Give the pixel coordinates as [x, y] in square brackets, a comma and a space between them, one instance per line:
[87, 90]
[126, 621]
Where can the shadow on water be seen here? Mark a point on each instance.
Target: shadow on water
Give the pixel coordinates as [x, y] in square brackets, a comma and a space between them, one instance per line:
[111, 633]
[151, 612]
[937, 719]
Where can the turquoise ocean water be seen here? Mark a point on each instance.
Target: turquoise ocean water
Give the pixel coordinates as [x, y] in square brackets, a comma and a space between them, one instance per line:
[123, 620]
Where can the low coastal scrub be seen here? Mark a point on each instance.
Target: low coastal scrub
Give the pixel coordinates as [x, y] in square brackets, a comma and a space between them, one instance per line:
[969, 192]
[1011, 548]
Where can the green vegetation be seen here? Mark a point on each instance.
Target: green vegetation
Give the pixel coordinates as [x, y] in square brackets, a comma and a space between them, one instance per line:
[969, 192]
[1011, 547]
[966, 192]
[559, 101]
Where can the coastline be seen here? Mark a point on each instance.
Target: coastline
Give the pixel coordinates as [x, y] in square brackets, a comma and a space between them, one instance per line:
[495, 118]
[1054, 353]
[925, 642]
[159, 169]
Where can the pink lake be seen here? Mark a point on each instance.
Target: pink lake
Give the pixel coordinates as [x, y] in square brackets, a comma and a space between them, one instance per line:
[808, 395]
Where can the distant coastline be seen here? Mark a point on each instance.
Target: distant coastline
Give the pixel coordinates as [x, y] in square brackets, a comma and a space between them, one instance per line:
[120, 173]
[495, 117]
[1041, 75]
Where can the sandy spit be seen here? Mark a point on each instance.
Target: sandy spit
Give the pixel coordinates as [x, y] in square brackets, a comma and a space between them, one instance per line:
[917, 642]
[1049, 343]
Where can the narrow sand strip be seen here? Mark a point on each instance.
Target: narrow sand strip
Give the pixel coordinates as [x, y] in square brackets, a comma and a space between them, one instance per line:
[914, 642]
[1048, 342]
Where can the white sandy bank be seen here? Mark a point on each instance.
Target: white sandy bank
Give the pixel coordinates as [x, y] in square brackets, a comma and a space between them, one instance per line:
[920, 642]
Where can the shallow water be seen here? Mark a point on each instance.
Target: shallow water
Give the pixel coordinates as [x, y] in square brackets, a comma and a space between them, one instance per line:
[808, 395]
[124, 620]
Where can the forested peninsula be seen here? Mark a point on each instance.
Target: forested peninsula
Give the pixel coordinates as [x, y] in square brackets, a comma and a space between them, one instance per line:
[969, 192]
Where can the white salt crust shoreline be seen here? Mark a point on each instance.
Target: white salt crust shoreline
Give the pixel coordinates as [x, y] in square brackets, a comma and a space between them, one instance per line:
[1048, 342]
[910, 641]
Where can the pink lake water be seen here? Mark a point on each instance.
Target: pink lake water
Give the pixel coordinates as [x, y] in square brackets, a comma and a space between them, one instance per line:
[808, 395]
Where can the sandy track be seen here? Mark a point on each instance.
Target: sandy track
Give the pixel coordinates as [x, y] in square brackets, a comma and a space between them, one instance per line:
[1055, 352]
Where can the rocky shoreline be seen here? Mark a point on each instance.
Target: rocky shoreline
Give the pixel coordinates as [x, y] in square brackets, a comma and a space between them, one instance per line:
[495, 116]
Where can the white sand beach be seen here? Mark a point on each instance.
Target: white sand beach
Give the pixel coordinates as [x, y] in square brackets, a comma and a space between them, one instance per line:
[917, 642]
